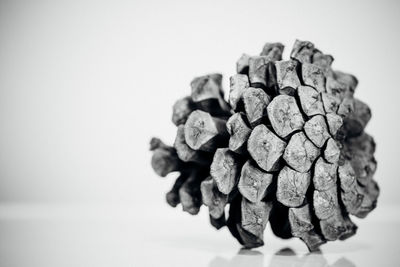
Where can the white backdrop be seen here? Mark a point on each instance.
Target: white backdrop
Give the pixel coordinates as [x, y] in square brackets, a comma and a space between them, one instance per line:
[85, 84]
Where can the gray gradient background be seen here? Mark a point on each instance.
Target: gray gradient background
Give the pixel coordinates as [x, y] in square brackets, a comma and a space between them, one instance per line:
[85, 84]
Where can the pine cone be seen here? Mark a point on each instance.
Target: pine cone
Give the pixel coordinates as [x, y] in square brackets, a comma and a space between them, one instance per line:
[289, 149]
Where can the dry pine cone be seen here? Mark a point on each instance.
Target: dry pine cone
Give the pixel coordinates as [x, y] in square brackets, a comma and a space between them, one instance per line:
[289, 149]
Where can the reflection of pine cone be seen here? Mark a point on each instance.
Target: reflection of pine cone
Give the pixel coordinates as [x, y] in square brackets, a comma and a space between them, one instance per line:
[290, 148]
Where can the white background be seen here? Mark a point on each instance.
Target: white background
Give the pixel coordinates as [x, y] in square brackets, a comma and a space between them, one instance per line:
[84, 85]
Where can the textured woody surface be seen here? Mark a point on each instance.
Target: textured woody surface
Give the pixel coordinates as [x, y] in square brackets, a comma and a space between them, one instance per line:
[300, 153]
[255, 102]
[239, 131]
[204, 132]
[213, 198]
[284, 115]
[225, 169]
[289, 149]
[254, 182]
[292, 187]
[265, 148]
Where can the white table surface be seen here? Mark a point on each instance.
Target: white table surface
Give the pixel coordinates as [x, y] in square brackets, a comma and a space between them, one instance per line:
[117, 235]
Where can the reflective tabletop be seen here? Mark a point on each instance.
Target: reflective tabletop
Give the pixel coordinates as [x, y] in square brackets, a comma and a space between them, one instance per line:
[117, 235]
